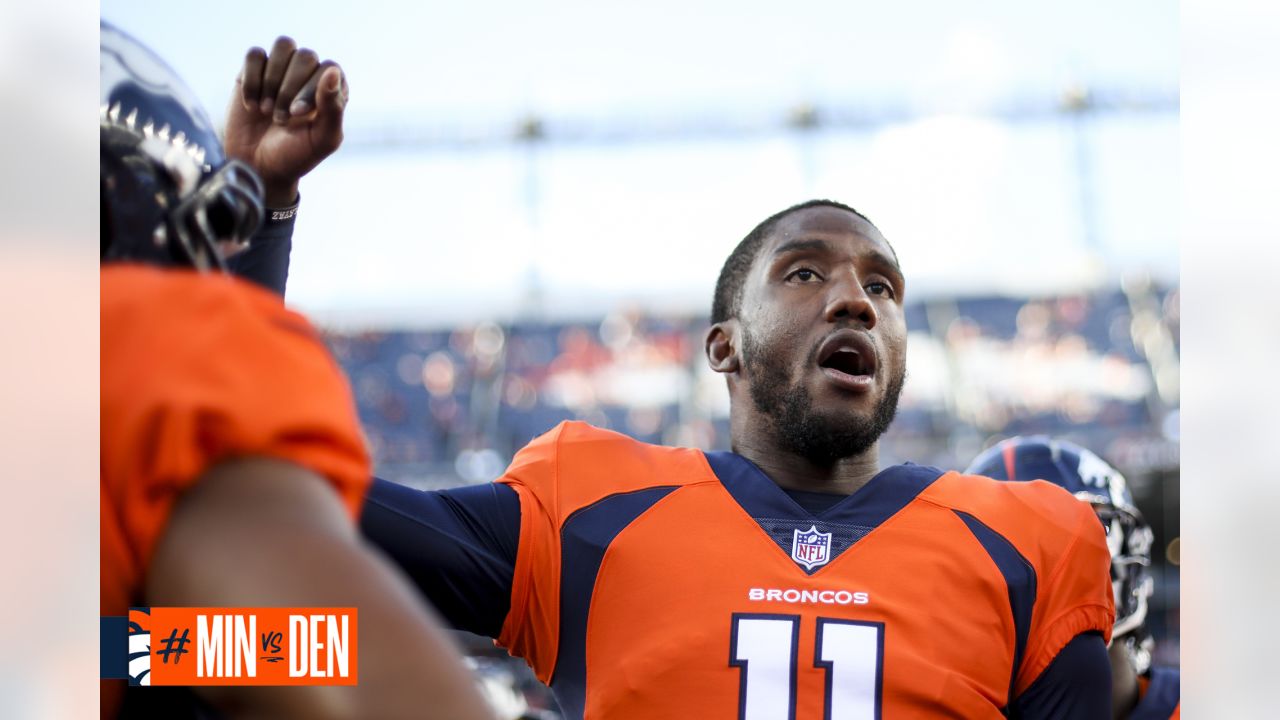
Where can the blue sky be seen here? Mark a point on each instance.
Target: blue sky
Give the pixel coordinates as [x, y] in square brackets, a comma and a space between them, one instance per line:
[429, 233]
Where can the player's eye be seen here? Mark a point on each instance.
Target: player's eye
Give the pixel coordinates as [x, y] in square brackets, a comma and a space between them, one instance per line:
[803, 275]
[880, 288]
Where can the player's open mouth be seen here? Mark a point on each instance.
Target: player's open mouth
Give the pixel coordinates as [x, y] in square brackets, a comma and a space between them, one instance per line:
[848, 358]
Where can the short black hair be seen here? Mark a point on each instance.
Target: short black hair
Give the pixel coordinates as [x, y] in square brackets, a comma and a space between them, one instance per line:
[728, 297]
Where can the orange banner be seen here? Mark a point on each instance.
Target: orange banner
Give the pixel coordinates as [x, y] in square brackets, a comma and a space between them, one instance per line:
[242, 646]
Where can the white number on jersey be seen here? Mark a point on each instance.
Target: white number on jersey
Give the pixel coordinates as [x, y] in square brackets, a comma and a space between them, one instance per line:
[764, 648]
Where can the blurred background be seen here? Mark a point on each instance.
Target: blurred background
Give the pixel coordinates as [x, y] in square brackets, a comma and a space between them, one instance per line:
[528, 215]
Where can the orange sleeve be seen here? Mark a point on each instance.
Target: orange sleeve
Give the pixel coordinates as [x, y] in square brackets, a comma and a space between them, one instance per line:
[1074, 595]
[200, 368]
[531, 629]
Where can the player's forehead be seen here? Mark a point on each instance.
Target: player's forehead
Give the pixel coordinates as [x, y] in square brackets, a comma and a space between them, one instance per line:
[832, 227]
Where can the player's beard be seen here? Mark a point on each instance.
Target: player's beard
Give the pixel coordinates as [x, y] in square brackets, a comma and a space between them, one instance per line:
[822, 438]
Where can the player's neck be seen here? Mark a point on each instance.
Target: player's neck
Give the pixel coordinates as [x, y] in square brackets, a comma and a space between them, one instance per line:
[796, 472]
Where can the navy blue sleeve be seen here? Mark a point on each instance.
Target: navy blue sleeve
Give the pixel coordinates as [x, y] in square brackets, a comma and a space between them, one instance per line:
[1075, 686]
[266, 262]
[458, 546]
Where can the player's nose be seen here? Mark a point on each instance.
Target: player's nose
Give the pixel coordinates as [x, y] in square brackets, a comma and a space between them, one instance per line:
[848, 300]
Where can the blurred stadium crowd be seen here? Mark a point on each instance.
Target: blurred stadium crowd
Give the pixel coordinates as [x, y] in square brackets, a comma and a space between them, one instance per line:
[451, 406]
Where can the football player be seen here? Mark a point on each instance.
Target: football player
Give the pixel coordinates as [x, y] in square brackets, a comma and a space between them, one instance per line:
[233, 468]
[793, 577]
[1139, 691]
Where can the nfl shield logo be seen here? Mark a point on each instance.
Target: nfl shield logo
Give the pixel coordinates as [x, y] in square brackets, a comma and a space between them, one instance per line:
[811, 548]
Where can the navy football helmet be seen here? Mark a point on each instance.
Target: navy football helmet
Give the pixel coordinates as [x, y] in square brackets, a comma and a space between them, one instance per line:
[1091, 479]
[169, 194]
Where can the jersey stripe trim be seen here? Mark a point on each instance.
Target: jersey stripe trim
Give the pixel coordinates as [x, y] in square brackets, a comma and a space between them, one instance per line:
[584, 539]
[1020, 579]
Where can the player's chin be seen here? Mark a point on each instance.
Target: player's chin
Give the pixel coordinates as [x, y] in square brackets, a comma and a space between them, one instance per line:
[843, 412]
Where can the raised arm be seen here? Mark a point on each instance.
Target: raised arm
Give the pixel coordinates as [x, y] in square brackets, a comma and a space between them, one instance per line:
[285, 117]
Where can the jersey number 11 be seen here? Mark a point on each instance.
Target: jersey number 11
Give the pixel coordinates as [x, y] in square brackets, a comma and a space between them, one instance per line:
[764, 648]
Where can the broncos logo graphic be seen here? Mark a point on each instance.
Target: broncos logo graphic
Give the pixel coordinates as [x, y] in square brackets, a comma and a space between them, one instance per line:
[139, 646]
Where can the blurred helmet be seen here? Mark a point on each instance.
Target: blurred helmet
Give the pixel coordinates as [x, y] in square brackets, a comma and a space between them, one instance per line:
[169, 194]
[1089, 478]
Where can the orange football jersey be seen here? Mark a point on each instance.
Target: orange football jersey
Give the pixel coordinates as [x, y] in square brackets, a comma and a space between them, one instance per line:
[199, 368]
[657, 582]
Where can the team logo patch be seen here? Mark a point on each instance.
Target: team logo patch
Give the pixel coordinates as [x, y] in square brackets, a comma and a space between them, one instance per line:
[139, 646]
[811, 548]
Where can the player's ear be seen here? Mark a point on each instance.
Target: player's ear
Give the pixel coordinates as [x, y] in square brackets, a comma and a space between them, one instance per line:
[722, 347]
